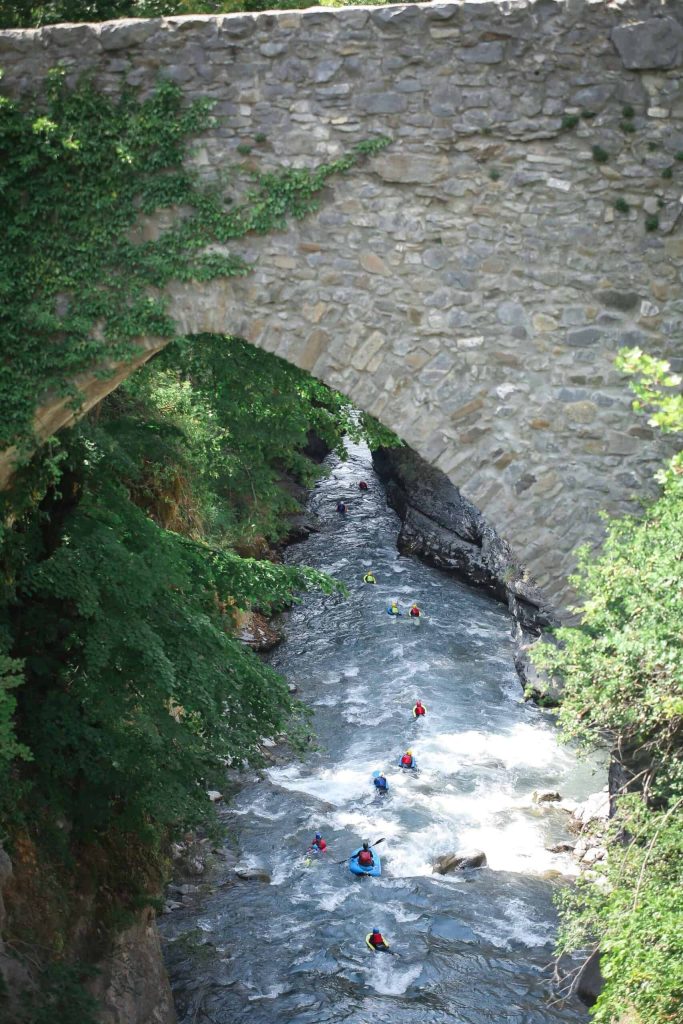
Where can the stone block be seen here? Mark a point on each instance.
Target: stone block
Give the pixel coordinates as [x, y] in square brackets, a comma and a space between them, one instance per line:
[583, 337]
[492, 52]
[382, 103]
[650, 43]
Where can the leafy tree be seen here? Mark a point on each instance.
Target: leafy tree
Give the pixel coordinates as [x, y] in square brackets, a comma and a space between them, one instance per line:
[623, 674]
[28, 13]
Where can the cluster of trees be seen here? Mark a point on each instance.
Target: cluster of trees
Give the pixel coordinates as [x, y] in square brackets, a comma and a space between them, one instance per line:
[623, 673]
[34, 13]
[123, 691]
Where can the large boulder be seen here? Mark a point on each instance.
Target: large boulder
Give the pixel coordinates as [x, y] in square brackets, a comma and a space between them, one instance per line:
[449, 862]
[248, 873]
[596, 807]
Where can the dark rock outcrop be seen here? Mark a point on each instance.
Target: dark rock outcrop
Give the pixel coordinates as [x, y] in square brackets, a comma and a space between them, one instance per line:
[447, 531]
[132, 984]
[589, 983]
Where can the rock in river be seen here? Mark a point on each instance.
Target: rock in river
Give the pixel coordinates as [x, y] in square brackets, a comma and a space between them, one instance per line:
[249, 874]
[459, 861]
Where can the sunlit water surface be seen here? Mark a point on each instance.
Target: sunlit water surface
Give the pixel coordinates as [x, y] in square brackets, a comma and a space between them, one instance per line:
[473, 947]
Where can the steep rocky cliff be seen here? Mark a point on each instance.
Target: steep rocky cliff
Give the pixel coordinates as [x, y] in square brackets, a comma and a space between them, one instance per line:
[446, 530]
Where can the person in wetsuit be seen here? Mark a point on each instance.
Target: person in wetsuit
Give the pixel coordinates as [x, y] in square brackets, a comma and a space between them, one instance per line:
[381, 784]
[419, 710]
[341, 507]
[369, 578]
[318, 845]
[407, 761]
[375, 941]
[364, 856]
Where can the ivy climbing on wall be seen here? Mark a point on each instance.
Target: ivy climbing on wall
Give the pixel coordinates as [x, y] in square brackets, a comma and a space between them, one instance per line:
[95, 165]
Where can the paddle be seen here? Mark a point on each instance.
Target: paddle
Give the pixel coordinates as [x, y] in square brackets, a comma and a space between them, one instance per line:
[376, 843]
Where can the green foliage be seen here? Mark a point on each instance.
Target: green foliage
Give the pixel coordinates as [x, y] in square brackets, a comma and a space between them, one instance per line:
[77, 289]
[570, 121]
[588, 115]
[635, 910]
[244, 149]
[627, 126]
[28, 13]
[621, 206]
[651, 222]
[600, 155]
[668, 172]
[494, 174]
[628, 112]
[679, 155]
[622, 669]
[61, 997]
[120, 584]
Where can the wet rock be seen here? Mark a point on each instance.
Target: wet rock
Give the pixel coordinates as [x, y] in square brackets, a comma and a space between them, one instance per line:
[214, 795]
[449, 862]
[545, 796]
[593, 855]
[590, 981]
[254, 630]
[186, 889]
[292, 688]
[595, 808]
[250, 874]
[300, 528]
[561, 848]
[444, 529]
[171, 905]
[189, 860]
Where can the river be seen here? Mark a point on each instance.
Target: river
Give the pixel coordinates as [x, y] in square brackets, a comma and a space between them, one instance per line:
[473, 946]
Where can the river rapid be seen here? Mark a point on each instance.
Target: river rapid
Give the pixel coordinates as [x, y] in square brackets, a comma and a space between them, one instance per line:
[473, 946]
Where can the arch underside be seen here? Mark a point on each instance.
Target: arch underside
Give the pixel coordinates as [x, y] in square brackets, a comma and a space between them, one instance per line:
[470, 285]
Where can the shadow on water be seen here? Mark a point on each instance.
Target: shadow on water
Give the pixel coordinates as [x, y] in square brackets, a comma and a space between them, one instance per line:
[472, 947]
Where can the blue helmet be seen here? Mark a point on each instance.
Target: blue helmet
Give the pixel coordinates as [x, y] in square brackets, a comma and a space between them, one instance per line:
[376, 931]
[318, 835]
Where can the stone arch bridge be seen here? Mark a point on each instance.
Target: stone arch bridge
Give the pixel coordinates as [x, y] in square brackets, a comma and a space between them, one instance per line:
[472, 283]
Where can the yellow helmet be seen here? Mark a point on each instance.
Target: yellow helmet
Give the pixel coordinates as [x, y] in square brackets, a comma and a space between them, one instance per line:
[409, 752]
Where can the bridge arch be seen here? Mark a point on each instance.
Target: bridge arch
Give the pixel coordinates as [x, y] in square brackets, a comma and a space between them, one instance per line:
[471, 284]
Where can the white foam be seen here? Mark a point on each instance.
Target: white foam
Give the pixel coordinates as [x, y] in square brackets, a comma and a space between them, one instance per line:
[334, 785]
[271, 993]
[387, 979]
[518, 925]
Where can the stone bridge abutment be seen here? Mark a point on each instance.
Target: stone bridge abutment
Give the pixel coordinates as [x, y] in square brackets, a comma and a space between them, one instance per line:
[471, 284]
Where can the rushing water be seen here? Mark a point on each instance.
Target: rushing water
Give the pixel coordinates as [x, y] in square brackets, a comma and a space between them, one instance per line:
[472, 946]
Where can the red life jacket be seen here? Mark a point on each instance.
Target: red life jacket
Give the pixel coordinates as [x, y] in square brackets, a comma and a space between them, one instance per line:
[407, 760]
[321, 844]
[415, 612]
[419, 709]
[365, 858]
[376, 939]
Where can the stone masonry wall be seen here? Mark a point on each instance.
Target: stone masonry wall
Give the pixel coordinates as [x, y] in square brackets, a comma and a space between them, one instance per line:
[471, 284]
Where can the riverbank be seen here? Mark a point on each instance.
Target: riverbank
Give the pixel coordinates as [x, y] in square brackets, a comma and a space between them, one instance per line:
[447, 531]
[288, 944]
